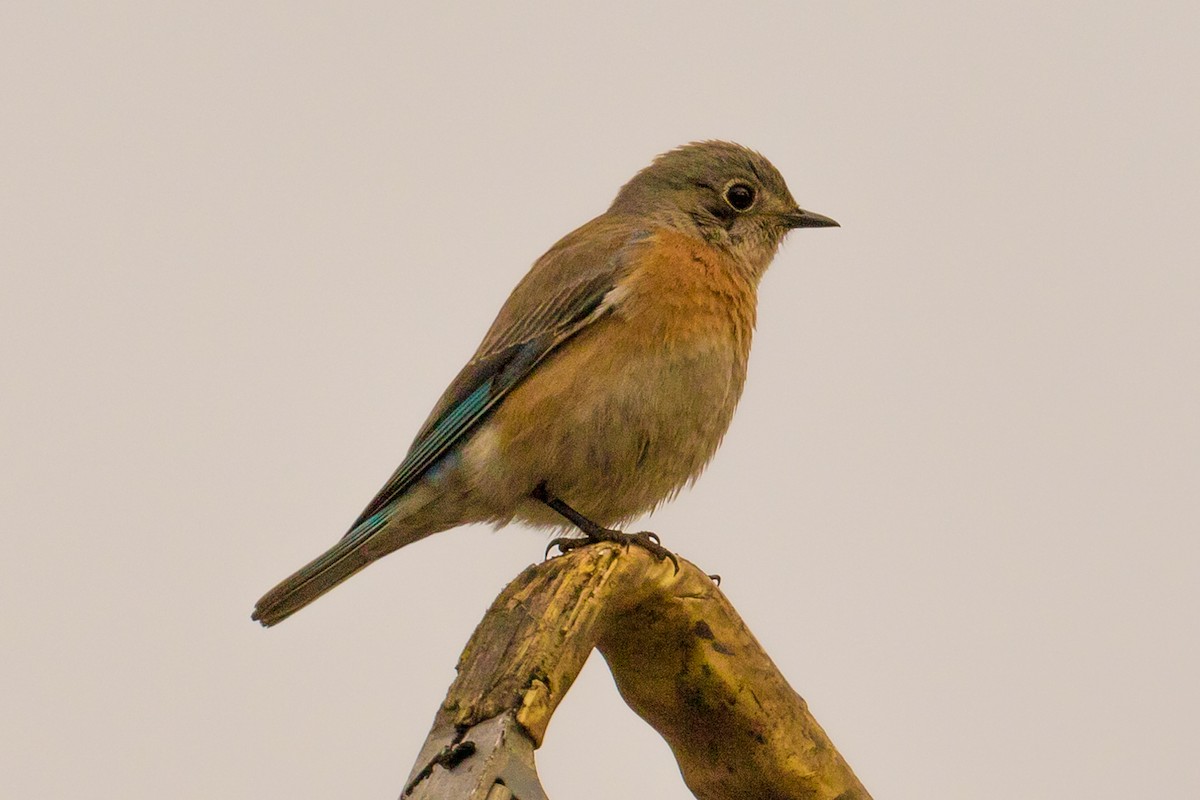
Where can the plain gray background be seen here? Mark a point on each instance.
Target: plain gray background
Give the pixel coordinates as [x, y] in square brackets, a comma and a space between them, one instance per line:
[245, 246]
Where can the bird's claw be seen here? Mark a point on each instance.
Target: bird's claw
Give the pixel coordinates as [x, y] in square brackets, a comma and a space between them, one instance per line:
[647, 540]
[566, 544]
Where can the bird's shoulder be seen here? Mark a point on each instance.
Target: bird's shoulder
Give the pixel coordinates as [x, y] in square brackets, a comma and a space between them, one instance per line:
[573, 275]
[563, 292]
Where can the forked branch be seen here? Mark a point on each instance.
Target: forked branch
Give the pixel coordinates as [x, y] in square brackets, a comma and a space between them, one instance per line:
[682, 659]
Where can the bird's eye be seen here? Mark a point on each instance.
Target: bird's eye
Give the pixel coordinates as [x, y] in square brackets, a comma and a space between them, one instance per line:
[740, 196]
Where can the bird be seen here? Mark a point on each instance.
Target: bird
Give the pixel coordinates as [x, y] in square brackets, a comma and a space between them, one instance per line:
[607, 380]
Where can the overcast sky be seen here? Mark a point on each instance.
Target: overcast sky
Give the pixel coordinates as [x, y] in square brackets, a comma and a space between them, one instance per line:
[244, 246]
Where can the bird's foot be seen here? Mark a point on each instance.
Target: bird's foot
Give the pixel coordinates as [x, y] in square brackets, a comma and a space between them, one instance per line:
[593, 533]
[647, 540]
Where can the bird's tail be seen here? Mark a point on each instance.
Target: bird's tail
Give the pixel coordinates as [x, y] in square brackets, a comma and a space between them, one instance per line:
[353, 552]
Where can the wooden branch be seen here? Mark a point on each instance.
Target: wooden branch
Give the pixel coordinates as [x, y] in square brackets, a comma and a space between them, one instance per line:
[682, 659]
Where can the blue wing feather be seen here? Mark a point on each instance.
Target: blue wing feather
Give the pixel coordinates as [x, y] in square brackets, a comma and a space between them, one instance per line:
[493, 378]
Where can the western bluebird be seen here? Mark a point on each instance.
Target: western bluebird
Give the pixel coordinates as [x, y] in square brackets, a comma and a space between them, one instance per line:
[608, 379]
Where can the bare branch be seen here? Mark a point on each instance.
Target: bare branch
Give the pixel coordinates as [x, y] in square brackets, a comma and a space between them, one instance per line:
[682, 659]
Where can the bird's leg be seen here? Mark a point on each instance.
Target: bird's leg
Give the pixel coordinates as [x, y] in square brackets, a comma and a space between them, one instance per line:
[597, 533]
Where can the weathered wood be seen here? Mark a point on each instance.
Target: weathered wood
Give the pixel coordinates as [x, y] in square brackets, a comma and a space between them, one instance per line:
[687, 664]
[681, 656]
[534, 640]
[490, 761]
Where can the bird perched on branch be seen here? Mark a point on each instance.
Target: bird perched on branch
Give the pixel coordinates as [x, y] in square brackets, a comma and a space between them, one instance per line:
[606, 382]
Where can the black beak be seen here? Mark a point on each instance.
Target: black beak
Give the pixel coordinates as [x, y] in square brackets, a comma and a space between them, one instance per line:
[808, 219]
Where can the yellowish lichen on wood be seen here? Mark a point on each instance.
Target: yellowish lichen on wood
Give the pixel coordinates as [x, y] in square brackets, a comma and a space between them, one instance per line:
[686, 662]
[682, 659]
[533, 641]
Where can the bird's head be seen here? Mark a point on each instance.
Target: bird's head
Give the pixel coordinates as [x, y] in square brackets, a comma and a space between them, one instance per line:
[726, 194]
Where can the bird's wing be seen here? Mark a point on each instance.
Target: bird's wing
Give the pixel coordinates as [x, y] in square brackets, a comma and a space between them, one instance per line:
[568, 288]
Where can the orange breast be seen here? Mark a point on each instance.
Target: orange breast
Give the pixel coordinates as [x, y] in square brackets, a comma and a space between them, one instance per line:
[690, 289]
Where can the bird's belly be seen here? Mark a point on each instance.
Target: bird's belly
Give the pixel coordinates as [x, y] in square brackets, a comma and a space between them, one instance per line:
[613, 431]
